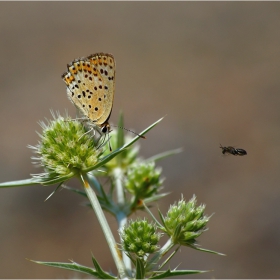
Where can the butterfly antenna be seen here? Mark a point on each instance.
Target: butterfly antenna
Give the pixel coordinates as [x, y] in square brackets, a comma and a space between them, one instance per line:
[130, 131]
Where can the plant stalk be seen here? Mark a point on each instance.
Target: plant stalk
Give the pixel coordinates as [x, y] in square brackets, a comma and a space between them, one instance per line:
[121, 217]
[105, 227]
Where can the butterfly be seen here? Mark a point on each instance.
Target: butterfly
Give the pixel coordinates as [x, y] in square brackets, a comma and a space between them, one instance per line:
[233, 151]
[90, 85]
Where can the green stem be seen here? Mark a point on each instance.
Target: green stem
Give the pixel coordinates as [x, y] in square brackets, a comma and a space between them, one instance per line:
[118, 175]
[105, 227]
[121, 217]
[155, 259]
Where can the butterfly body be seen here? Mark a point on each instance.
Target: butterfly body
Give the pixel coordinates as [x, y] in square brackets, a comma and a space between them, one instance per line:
[90, 85]
[233, 151]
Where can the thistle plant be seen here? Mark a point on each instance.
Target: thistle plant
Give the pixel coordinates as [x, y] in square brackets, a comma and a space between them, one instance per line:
[67, 149]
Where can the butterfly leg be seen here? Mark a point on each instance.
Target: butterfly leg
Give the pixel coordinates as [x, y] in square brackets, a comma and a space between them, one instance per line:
[77, 119]
[86, 133]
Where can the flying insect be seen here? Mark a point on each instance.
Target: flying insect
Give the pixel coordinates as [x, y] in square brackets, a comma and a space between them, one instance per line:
[233, 151]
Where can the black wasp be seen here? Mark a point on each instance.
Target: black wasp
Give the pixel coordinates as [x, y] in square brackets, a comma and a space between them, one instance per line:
[233, 151]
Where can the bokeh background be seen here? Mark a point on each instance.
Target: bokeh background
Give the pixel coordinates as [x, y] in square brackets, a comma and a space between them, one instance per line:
[212, 68]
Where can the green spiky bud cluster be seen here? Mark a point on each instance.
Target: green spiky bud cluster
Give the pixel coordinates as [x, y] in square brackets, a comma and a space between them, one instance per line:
[65, 148]
[140, 238]
[185, 222]
[143, 179]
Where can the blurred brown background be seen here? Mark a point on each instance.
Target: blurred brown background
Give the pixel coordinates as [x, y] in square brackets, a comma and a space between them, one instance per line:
[211, 67]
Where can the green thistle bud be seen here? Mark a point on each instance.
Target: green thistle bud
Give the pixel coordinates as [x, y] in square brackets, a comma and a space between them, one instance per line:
[185, 222]
[143, 179]
[140, 238]
[65, 148]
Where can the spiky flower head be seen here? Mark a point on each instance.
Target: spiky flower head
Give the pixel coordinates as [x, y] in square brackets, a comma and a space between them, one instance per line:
[185, 221]
[65, 148]
[140, 238]
[143, 179]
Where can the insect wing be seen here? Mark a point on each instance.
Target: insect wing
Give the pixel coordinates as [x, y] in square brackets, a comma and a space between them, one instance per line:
[91, 84]
[241, 152]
